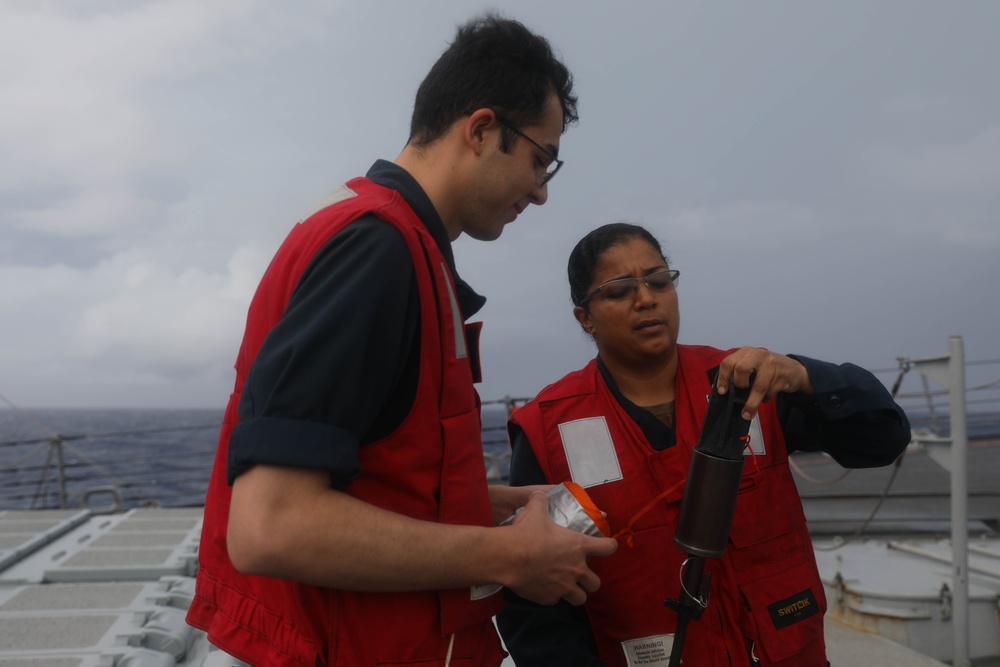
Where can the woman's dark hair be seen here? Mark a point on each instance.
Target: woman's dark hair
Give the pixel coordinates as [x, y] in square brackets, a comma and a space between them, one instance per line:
[493, 63]
[588, 251]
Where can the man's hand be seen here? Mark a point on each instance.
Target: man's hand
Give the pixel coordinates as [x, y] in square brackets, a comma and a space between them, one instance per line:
[554, 561]
[508, 499]
[774, 373]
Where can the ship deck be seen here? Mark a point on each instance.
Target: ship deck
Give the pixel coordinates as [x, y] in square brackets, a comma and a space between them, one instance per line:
[84, 590]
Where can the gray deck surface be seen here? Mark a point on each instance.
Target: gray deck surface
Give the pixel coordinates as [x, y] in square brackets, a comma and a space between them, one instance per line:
[81, 590]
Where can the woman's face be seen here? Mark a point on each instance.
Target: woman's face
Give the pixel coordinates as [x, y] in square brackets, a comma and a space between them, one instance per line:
[640, 327]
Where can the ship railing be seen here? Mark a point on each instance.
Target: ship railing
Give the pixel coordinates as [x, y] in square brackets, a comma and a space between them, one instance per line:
[496, 442]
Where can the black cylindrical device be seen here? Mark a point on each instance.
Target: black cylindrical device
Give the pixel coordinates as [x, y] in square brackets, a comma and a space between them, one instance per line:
[709, 502]
[706, 514]
[714, 475]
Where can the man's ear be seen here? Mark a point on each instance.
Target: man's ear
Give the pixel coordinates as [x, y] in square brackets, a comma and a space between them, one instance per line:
[477, 126]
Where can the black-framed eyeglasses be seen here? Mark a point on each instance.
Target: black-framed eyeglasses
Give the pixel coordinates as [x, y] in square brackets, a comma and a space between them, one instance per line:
[553, 167]
[623, 288]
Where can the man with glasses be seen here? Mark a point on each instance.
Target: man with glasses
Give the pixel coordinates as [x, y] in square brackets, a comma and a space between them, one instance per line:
[348, 520]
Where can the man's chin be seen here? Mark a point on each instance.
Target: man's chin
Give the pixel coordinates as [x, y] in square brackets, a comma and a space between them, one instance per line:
[488, 234]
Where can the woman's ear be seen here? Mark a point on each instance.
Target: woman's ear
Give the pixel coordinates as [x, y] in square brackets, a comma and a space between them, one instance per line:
[582, 316]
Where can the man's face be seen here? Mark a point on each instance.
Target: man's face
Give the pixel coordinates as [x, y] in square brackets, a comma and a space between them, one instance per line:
[507, 183]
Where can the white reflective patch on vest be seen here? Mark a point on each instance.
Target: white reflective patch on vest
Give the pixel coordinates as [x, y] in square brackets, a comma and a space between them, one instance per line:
[757, 446]
[456, 316]
[338, 195]
[590, 452]
[649, 651]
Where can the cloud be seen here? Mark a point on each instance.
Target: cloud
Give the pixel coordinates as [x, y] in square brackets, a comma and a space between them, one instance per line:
[742, 221]
[153, 155]
[131, 318]
[946, 192]
[960, 169]
[155, 320]
[78, 112]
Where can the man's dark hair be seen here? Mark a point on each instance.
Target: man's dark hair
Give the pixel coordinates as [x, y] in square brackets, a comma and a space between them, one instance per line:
[588, 251]
[493, 63]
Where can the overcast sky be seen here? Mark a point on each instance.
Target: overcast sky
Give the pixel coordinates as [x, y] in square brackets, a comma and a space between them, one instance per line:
[826, 176]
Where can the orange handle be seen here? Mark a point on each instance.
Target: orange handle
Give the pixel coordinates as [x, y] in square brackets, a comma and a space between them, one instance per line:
[589, 507]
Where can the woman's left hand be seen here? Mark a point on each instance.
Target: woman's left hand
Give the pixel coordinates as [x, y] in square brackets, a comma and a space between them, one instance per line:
[774, 372]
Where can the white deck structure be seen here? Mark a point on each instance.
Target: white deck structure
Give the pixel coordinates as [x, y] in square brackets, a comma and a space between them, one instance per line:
[87, 590]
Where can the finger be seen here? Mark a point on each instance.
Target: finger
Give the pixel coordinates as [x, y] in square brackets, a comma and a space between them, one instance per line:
[747, 371]
[759, 392]
[577, 597]
[729, 370]
[603, 546]
[538, 502]
[739, 367]
[600, 546]
[538, 498]
[525, 492]
[590, 582]
[536, 488]
[750, 409]
[725, 373]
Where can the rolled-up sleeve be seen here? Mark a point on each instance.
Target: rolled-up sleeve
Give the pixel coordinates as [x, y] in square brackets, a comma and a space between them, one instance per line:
[335, 364]
[316, 446]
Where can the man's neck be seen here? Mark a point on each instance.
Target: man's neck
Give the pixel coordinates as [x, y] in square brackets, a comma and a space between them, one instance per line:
[436, 170]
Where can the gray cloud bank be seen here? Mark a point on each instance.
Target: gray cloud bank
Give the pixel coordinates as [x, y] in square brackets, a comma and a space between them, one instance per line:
[827, 178]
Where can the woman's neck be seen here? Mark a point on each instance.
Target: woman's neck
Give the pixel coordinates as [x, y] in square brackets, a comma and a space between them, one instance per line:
[644, 384]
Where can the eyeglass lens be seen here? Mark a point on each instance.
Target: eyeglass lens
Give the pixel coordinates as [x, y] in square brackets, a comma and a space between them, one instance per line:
[555, 163]
[615, 290]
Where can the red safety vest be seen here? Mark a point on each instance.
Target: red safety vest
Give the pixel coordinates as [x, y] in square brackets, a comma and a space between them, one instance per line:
[430, 468]
[766, 594]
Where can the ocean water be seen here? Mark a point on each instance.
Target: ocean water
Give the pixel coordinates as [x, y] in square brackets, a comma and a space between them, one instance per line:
[164, 457]
[154, 457]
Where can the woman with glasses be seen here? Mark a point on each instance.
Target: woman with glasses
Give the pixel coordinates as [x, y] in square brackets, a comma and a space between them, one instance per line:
[623, 427]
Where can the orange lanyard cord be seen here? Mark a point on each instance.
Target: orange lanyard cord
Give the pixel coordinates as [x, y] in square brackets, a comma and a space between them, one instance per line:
[627, 530]
[753, 454]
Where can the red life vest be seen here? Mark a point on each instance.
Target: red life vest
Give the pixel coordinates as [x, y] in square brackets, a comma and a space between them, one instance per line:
[766, 595]
[430, 468]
